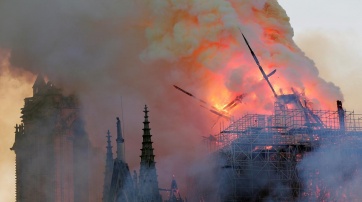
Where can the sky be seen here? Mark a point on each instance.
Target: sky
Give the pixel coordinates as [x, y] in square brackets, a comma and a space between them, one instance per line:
[330, 33]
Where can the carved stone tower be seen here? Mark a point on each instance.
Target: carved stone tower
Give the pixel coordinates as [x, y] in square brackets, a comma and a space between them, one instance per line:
[51, 148]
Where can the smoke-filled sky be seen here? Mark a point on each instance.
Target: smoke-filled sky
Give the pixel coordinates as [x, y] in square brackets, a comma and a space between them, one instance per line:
[132, 52]
[330, 33]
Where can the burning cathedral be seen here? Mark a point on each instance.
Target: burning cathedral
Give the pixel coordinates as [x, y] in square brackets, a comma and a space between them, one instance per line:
[296, 153]
[259, 157]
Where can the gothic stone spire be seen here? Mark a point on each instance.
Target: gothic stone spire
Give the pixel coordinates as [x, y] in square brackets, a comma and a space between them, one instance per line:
[147, 157]
[120, 142]
[109, 168]
[148, 184]
[109, 148]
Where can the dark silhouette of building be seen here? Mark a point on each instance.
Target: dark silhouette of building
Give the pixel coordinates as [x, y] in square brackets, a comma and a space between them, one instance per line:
[118, 183]
[109, 169]
[122, 188]
[174, 194]
[51, 148]
[148, 189]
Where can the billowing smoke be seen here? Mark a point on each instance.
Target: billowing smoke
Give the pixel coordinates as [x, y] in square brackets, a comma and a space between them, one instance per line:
[119, 55]
[332, 51]
[333, 171]
[205, 38]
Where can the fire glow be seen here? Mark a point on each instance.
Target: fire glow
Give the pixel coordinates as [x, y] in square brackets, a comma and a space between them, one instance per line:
[206, 36]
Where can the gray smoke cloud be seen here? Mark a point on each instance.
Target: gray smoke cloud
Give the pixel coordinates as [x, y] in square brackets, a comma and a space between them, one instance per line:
[92, 48]
[72, 42]
[333, 171]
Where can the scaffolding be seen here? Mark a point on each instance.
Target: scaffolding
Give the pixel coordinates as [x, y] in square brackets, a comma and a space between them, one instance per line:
[259, 153]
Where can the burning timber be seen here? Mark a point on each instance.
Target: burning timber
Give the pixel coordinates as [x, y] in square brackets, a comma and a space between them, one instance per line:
[268, 157]
[282, 156]
[260, 155]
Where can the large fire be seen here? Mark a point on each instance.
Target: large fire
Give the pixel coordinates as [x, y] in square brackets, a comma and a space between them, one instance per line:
[206, 37]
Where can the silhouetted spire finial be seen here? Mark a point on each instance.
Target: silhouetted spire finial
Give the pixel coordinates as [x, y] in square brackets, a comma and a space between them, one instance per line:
[146, 112]
[108, 169]
[109, 146]
[120, 142]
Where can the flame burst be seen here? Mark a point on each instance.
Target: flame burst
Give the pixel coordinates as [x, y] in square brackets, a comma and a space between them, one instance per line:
[202, 38]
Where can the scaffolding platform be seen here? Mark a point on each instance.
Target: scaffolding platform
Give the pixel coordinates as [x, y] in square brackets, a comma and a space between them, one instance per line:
[259, 154]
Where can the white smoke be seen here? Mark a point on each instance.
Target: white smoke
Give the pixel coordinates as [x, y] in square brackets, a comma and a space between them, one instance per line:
[333, 172]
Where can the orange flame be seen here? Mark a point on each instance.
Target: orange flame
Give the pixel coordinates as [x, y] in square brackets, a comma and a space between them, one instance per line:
[204, 40]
